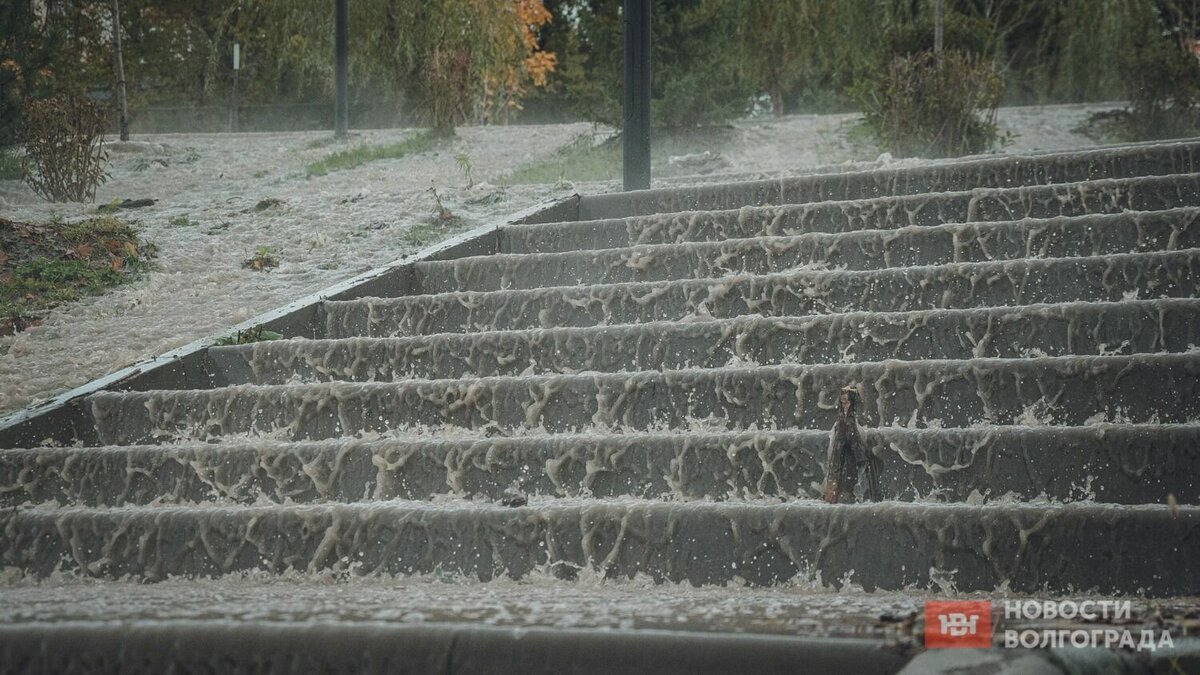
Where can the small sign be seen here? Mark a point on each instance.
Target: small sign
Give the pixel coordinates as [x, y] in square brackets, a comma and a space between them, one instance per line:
[237, 56]
[958, 624]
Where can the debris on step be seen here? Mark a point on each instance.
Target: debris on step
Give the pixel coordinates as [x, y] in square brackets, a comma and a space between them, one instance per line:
[126, 204]
[264, 204]
[262, 260]
[513, 497]
[700, 162]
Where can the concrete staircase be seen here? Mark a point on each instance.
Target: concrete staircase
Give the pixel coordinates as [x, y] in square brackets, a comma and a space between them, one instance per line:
[657, 374]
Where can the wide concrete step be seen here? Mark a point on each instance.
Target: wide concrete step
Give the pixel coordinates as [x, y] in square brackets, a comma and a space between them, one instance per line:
[1128, 464]
[1083, 328]
[402, 642]
[951, 286]
[838, 183]
[1153, 193]
[1153, 550]
[385, 624]
[1130, 232]
[1069, 390]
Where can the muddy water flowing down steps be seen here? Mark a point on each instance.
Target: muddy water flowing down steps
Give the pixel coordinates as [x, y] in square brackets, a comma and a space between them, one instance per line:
[656, 372]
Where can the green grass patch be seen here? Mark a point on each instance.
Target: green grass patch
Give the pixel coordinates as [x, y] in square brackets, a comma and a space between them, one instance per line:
[42, 266]
[576, 162]
[422, 234]
[582, 160]
[97, 229]
[440, 224]
[263, 260]
[10, 166]
[357, 156]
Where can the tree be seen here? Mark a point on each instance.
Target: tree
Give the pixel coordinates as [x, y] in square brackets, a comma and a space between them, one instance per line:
[939, 16]
[45, 49]
[26, 48]
[778, 39]
[119, 67]
[695, 74]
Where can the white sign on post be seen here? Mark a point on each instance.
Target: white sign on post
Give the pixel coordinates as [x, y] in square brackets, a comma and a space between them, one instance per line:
[237, 56]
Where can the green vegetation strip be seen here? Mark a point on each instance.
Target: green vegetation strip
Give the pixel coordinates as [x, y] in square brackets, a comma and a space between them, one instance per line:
[350, 158]
[42, 266]
[583, 160]
[575, 162]
[10, 166]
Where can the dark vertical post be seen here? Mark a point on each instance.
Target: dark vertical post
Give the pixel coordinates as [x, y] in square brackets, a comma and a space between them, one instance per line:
[636, 128]
[341, 72]
[233, 104]
[234, 111]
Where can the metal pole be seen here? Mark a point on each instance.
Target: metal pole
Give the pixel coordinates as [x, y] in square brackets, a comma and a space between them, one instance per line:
[233, 104]
[341, 114]
[636, 128]
[233, 107]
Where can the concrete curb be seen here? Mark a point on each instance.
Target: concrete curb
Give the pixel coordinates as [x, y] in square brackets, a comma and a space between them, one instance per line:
[459, 649]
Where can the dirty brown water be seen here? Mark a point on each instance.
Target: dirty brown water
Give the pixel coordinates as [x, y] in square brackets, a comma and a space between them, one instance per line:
[1117, 463]
[1020, 546]
[896, 289]
[1068, 390]
[1098, 328]
[837, 183]
[908, 246]
[879, 213]
[661, 388]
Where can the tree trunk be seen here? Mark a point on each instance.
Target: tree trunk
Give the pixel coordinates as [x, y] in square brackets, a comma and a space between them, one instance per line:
[938, 11]
[119, 65]
[777, 102]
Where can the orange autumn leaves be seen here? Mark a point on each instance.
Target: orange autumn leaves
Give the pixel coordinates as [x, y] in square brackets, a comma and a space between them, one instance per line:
[531, 16]
[504, 90]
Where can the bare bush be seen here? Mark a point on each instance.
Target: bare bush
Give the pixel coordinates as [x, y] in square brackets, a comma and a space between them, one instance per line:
[937, 107]
[1163, 86]
[64, 157]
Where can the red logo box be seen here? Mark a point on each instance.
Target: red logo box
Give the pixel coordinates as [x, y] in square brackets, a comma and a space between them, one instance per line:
[958, 624]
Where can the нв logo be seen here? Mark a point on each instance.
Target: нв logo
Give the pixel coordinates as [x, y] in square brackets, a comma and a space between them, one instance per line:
[958, 624]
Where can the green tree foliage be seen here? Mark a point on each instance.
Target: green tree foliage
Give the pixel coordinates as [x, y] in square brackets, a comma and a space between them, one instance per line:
[1160, 73]
[441, 59]
[783, 46]
[455, 51]
[430, 58]
[24, 50]
[444, 62]
[695, 76]
[962, 32]
[806, 54]
[46, 48]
